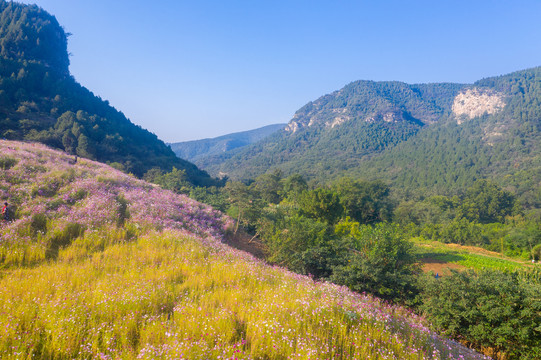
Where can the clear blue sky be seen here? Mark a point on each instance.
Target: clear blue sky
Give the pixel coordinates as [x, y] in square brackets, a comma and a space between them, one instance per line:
[194, 69]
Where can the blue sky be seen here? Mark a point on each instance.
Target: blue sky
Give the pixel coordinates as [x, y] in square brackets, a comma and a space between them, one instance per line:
[187, 70]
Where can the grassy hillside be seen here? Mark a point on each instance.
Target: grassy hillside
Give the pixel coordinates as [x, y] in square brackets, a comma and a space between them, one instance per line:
[97, 264]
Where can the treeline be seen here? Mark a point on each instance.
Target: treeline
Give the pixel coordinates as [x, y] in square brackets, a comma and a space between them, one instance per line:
[30, 33]
[354, 233]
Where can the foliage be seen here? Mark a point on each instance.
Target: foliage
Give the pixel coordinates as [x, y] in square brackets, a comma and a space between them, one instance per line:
[380, 260]
[41, 39]
[485, 202]
[489, 309]
[291, 241]
[364, 201]
[321, 205]
[175, 180]
[536, 252]
[161, 283]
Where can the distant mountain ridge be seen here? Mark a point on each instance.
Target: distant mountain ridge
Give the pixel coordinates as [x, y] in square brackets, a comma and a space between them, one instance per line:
[196, 149]
[40, 101]
[423, 138]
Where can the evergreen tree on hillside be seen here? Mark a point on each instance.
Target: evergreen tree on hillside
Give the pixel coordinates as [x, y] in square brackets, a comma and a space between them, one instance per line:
[42, 102]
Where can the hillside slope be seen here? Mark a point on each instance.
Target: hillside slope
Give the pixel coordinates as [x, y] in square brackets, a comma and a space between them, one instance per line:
[98, 264]
[193, 150]
[471, 143]
[421, 139]
[338, 131]
[40, 101]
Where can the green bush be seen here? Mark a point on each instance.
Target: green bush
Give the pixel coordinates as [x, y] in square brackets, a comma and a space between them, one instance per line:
[7, 163]
[536, 252]
[377, 259]
[489, 309]
[38, 224]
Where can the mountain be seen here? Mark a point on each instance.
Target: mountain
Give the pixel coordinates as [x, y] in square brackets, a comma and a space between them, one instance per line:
[422, 139]
[41, 101]
[98, 264]
[339, 131]
[193, 150]
[493, 131]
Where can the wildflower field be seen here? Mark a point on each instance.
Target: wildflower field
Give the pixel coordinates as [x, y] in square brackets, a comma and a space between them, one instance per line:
[98, 265]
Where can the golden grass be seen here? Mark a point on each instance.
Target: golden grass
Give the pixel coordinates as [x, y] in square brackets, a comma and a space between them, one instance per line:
[168, 296]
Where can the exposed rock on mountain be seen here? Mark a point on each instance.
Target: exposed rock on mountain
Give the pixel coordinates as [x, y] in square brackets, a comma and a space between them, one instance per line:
[476, 102]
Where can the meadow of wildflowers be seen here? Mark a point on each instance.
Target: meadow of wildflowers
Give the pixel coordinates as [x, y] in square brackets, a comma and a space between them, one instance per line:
[99, 265]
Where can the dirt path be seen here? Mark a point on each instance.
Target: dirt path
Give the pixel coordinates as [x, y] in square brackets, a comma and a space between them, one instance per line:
[243, 241]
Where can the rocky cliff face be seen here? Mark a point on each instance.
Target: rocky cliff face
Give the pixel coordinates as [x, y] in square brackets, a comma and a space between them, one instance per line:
[475, 102]
[373, 102]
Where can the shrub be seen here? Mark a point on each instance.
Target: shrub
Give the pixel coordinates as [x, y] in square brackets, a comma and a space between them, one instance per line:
[38, 223]
[489, 309]
[536, 252]
[7, 162]
[377, 259]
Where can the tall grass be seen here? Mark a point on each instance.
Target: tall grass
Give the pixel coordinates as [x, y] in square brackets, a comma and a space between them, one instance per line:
[166, 295]
[98, 265]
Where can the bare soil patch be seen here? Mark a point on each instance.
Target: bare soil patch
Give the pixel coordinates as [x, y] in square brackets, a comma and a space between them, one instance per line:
[245, 242]
[439, 266]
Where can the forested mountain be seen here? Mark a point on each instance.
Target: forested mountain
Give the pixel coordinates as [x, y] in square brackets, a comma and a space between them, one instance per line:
[339, 131]
[471, 144]
[193, 150]
[41, 101]
[422, 139]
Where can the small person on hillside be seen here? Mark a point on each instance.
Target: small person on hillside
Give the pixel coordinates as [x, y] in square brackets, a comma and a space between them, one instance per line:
[5, 212]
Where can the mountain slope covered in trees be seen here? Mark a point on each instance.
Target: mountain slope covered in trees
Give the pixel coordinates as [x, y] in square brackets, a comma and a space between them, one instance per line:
[457, 151]
[41, 101]
[338, 131]
[193, 150]
[432, 138]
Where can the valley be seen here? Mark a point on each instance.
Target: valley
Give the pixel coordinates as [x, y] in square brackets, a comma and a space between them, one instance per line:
[385, 220]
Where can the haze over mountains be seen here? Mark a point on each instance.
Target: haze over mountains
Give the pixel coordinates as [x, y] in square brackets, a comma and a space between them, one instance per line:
[196, 149]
